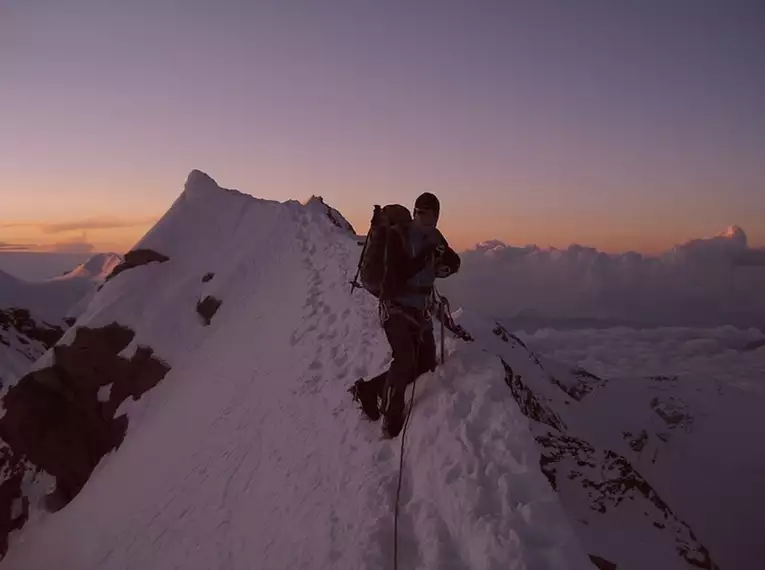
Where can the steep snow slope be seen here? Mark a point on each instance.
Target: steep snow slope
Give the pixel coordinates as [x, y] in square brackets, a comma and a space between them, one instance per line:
[249, 454]
[97, 268]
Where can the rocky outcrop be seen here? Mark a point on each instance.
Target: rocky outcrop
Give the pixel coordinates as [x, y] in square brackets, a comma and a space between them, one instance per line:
[334, 216]
[208, 277]
[584, 472]
[207, 308]
[531, 405]
[22, 341]
[673, 412]
[506, 335]
[584, 383]
[21, 321]
[136, 258]
[14, 507]
[55, 422]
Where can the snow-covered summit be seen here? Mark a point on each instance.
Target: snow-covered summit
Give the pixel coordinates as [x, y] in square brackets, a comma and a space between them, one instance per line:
[198, 411]
[317, 203]
[97, 268]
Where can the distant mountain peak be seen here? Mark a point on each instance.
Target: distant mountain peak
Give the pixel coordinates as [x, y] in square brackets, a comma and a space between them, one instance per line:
[96, 268]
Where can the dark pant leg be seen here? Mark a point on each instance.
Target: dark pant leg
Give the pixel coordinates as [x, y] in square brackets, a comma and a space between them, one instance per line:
[426, 351]
[402, 336]
[426, 361]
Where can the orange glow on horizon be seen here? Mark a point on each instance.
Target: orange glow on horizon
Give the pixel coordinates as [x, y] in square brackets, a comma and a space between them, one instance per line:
[90, 235]
[463, 225]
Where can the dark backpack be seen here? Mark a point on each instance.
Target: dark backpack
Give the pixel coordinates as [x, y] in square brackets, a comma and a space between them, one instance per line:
[395, 217]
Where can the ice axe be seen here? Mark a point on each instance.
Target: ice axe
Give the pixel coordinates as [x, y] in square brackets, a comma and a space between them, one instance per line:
[375, 217]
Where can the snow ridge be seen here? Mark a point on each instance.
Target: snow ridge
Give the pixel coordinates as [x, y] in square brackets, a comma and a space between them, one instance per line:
[251, 449]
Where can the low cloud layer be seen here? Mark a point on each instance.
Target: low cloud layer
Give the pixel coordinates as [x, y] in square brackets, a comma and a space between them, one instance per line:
[718, 354]
[101, 223]
[5, 246]
[76, 246]
[704, 282]
[85, 224]
[72, 247]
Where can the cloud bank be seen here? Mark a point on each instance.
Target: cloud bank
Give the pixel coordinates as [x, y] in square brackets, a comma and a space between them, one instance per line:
[704, 282]
[722, 354]
[5, 246]
[85, 224]
[72, 247]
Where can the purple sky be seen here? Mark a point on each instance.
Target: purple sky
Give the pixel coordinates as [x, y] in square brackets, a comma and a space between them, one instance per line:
[620, 126]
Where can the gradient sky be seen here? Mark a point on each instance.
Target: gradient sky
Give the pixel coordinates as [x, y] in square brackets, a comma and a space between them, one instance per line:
[612, 124]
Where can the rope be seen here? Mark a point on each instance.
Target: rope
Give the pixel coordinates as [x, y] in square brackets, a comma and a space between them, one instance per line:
[401, 466]
[443, 357]
[400, 471]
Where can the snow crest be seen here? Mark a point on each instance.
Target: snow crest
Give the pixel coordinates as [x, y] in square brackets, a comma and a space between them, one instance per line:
[251, 454]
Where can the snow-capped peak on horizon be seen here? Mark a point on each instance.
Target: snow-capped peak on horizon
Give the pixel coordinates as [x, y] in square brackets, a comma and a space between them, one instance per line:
[203, 201]
[199, 179]
[97, 268]
[200, 185]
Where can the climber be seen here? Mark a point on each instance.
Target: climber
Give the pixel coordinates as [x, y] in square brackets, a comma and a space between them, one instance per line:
[415, 255]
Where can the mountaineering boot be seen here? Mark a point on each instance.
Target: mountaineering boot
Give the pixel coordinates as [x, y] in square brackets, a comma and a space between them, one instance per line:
[393, 411]
[392, 425]
[367, 397]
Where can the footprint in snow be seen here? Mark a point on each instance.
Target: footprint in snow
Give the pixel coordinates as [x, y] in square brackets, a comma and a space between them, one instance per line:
[342, 360]
[449, 557]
